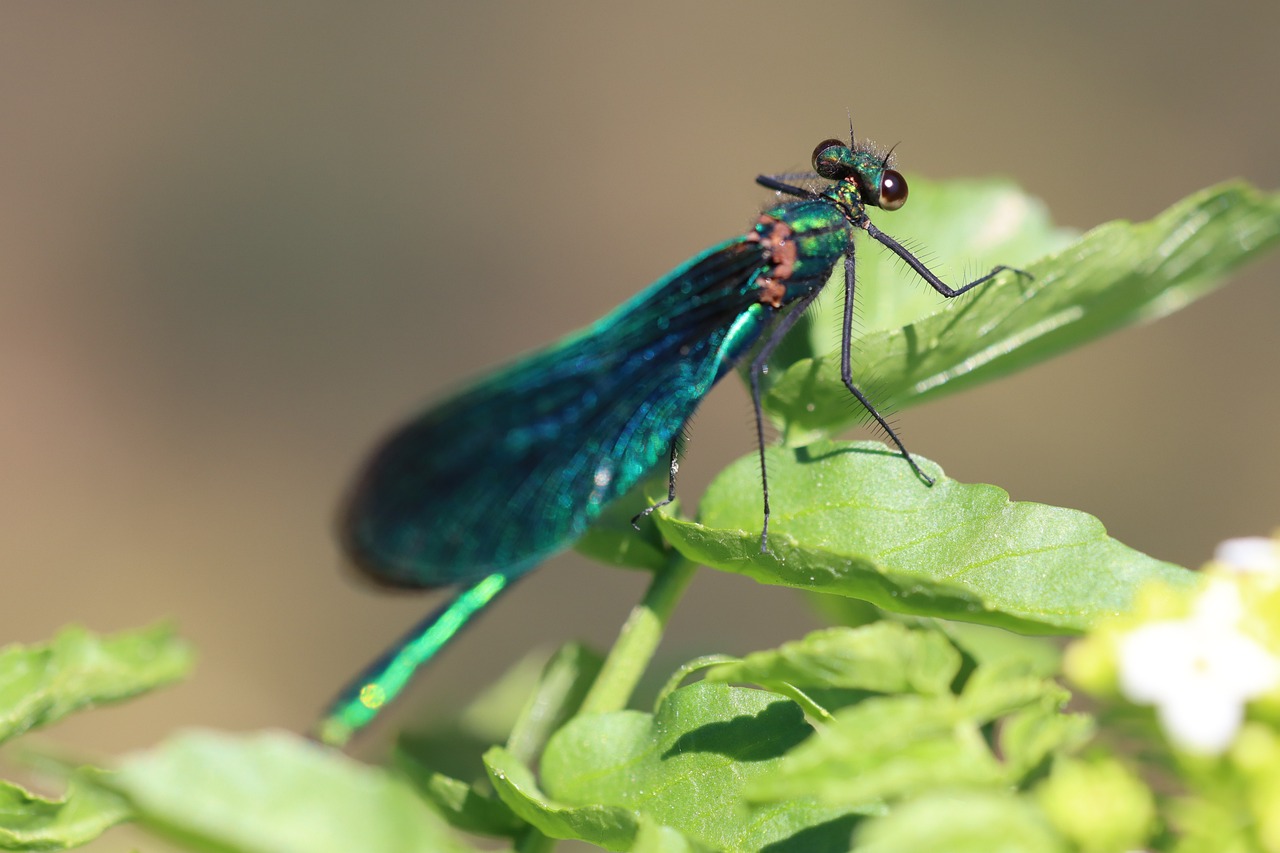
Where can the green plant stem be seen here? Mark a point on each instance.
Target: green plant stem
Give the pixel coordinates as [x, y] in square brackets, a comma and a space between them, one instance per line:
[639, 638]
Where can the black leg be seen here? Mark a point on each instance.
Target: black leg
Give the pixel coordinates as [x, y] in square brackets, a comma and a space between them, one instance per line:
[924, 272]
[775, 184]
[757, 365]
[671, 484]
[846, 369]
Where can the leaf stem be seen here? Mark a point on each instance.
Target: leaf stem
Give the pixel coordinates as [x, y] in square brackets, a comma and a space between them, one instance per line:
[639, 638]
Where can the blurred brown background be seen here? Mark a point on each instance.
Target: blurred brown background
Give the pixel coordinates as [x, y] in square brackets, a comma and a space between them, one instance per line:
[239, 241]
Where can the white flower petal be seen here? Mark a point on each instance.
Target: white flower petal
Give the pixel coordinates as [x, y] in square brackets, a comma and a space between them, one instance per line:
[1219, 606]
[1155, 659]
[1202, 721]
[1250, 554]
[1199, 672]
[1243, 667]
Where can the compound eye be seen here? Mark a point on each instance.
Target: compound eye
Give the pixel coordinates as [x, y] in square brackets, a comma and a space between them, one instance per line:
[833, 160]
[893, 189]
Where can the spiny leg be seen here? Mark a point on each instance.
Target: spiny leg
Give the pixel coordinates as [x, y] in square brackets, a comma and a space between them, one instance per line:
[757, 367]
[924, 272]
[671, 484]
[846, 369]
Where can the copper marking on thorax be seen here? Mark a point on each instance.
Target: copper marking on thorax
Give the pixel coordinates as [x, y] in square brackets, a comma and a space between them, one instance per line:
[780, 252]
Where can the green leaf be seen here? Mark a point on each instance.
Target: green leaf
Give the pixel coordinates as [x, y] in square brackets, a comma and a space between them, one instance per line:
[985, 644]
[454, 745]
[653, 838]
[606, 826]
[890, 747]
[1029, 738]
[962, 822]
[1034, 728]
[1100, 805]
[275, 793]
[462, 805]
[687, 766]
[885, 657]
[564, 684]
[1115, 276]
[557, 694]
[687, 669]
[449, 751]
[1007, 686]
[851, 519]
[42, 683]
[493, 714]
[885, 748]
[32, 822]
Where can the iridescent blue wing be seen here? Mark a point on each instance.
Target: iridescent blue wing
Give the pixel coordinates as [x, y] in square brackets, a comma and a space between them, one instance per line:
[516, 467]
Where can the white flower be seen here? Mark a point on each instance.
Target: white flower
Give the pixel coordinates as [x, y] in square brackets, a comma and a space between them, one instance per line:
[1250, 555]
[1199, 671]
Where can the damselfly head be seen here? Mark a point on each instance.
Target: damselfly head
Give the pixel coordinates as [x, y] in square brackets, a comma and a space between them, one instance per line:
[878, 185]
